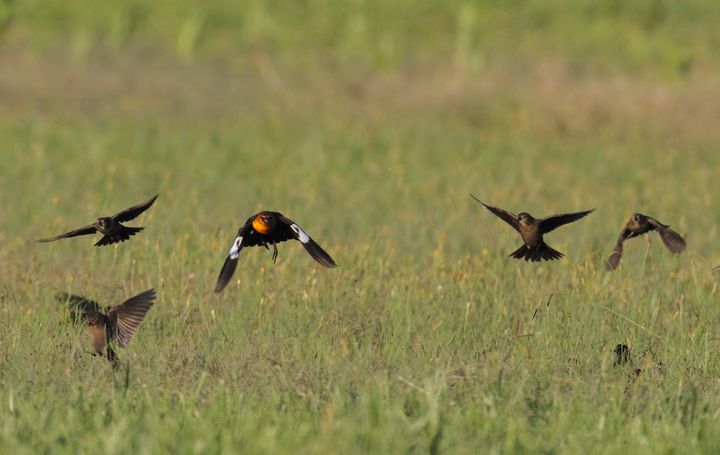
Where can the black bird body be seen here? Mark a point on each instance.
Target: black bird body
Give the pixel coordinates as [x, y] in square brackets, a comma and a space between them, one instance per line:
[622, 355]
[532, 230]
[116, 326]
[640, 224]
[110, 226]
[269, 228]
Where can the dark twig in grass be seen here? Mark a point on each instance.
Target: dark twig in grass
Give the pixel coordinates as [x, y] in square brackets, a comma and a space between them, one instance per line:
[127, 376]
[11, 329]
[217, 323]
[222, 331]
[538, 306]
[402, 379]
[358, 326]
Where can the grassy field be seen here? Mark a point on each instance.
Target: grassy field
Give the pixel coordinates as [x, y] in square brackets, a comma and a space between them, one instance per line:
[368, 125]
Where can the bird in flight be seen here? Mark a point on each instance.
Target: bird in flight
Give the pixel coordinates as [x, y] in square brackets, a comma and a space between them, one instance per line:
[114, 327]
[640, 224]
[269, 228]
[532, 230]
[110, 226]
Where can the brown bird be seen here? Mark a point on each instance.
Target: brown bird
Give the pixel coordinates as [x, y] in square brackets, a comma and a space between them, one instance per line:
[640, 224]
[115, 328]
[268, 228]
[109, 226]
[532, 230]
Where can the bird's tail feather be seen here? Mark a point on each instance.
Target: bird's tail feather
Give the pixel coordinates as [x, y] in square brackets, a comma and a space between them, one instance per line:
[121, 236]
[536, 254]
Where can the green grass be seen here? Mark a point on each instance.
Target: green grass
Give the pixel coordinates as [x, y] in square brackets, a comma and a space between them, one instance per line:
[426, 338]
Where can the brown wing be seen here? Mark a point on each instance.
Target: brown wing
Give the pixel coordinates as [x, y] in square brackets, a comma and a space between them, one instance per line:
[552, 222]
[86, 230]
[288, 229]
[126, 317]
[670, 238]
[614, 259]
[134, 212]
[506, 216]
[77, 305]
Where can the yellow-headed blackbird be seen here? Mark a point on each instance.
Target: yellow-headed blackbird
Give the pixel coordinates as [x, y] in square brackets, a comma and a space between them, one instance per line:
[640, 224]
[531, 230]
[109, 226]
[115, 328]
[269, 228]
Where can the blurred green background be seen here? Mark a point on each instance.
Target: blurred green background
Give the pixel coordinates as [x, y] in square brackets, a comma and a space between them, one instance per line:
[367, 123]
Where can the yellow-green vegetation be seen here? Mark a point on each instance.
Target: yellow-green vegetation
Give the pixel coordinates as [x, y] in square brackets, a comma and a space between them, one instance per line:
[368, 124]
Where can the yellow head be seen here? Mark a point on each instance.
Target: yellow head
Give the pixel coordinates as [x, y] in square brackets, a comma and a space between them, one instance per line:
[264, 222]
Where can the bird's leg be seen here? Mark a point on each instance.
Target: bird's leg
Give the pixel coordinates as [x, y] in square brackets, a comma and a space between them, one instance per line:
[275, 253]
[112, 358]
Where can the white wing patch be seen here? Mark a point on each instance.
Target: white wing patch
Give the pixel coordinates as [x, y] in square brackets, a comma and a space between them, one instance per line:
[235, 248]
[304, 238]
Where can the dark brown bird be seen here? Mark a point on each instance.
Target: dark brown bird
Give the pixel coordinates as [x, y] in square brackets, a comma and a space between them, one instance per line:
[115, 328]
[623, 358]
[622, 355]
[268, 228]
[109, 226]
[640, 224]
[532, 230]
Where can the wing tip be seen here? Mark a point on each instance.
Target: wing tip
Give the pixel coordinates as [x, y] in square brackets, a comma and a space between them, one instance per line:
[226, 274]
[150, 293]
[613, 261]
[320, 255]
[152, 200]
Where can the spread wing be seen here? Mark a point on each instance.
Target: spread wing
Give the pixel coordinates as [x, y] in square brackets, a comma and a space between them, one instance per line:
[126, 317]
[614, 259]
[288, 228]
[228, 268]
[553, 222]
[77, 305]
[134, 212]
[506, 216]
[85, 230]
[670, 238]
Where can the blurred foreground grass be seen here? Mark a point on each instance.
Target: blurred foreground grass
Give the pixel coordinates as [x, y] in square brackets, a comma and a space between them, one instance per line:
[426, 338]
